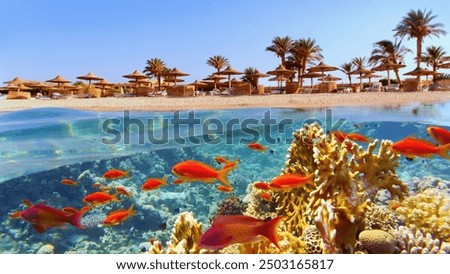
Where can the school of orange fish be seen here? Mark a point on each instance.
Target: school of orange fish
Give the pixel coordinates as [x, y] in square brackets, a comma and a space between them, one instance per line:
[224, 230]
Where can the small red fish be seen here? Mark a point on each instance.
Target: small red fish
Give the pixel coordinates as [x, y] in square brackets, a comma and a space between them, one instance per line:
[395, 205]
[42, 216]
[231, 164]
[233, 229]
[221, 160]
[154, 183]
[122, 190]
[290, 181]
[224, 188]
[411, 147]
[101, 187]
[439, 134]
[68, 182]
[191, 171]
[262, 186]
[115, 174]
[257, 147]
[266, 196]
[99, 198]
[118, 216]
[342, 136]
[178, 181]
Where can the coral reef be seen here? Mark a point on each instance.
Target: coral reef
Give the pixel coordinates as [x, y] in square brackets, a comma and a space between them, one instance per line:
[257, 207]
[377, 241]
[185, 235]
[346, 179]
[380, 217]
[46, 249]
[232, 205]
[410, 242]
[313, 240]
[428, 211]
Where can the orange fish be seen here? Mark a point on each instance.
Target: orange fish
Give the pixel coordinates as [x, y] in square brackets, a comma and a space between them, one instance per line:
[190, 171]
[342, 136]
[262, 186]
[257, 146]
[232, 229]
[439, 134]
[69, 182]
[265, 196]
[99, 198]
[231, 164]
[154, 183]
[411, 147]
[178, 181]
[290, 181]
[122, 190]
[42, 216]
[115, 174]
[118, 216]
[395, 205]
[221, 160]
[101, 187]
[224, 188]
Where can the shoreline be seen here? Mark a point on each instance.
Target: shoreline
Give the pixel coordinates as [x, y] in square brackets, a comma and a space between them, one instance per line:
[305, 101]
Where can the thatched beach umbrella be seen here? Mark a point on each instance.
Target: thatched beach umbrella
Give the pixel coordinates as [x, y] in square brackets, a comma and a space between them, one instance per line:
[330, 78]
[369, 76]
[312, 75]
[282, 72]
[256, 76]
[136, 75]
[322, 67]
[229, 71]
[17, 87]
[15, 81]
[197, 84]
[59, 81]
[214, 77]
[361, 71]
[175, 73]
[90, 77]
[421, 71]
[387, 67]
[103, 84]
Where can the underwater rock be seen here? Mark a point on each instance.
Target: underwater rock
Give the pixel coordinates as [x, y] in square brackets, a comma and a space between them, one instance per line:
[46, 249]
[377, 241]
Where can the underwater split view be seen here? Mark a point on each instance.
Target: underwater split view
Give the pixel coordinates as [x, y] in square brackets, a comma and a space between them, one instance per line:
[240, 181]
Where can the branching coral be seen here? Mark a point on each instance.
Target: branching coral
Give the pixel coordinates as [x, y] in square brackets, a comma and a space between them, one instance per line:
[185, 235]
[346, 178]
[409, 242]
[289, 245]
[380, 217]
[428, 211]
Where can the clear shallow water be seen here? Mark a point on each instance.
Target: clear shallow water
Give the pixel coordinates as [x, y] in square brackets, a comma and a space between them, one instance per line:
[39, 147]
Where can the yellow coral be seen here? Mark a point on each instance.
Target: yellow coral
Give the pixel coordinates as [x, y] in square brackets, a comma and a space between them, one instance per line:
[377, 241]
[380, 217]
[289, 245]
[345, 180]
[409, 242]
[428, 211]
[186, 233]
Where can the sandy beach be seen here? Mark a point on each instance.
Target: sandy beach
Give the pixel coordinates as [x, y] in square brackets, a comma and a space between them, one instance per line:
[228, 102]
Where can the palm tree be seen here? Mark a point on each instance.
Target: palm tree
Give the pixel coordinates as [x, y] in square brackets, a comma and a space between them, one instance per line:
[347, 68]
[434, 56]
[253, 81]
[417, 24]
[386, 51]
[281, 46]
[303, 52]
[359, 62]
[156, 67]
[217, 62]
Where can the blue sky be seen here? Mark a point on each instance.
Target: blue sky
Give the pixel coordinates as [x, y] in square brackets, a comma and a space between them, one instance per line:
[41, 39]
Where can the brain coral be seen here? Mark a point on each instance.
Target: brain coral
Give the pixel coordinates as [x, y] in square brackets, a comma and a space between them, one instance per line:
[428, 211]
[377, 241]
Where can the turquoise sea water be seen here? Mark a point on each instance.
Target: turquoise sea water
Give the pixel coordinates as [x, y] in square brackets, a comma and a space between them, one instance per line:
[39, 147]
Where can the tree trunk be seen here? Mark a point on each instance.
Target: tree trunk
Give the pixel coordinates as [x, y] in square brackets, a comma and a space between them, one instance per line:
[419, 58]
[397, 76]
[159, 82]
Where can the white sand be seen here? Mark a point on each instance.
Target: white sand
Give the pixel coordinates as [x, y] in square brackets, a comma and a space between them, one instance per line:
[226, 102]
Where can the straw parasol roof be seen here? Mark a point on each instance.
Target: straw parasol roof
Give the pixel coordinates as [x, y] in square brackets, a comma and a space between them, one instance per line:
[15, 81]
[330, 78]
[387, 67]
[322, 67]
[175, 73]
[58, 79]
[214, 77]
[90, 77]
[369, 76]
[281, 71]
[257, 74]
[135, 75]
[312, 75]
[421, 71]
[361, 70]
[17, 87]
[197, 83]
[229, 71]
